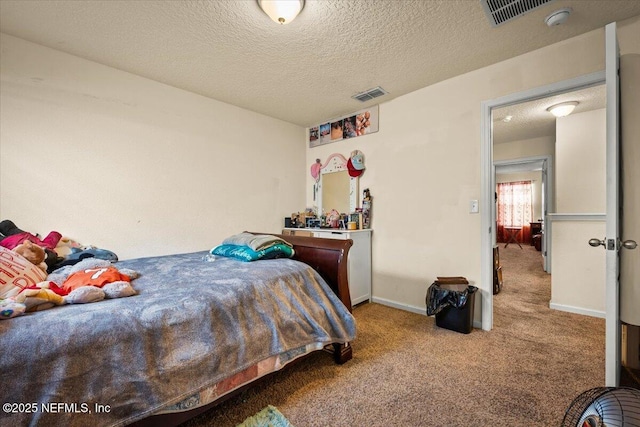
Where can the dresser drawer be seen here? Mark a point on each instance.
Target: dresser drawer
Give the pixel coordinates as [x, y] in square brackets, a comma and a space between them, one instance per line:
[337, 235]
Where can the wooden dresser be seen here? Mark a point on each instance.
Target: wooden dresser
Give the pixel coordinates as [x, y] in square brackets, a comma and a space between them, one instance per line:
[536, 228]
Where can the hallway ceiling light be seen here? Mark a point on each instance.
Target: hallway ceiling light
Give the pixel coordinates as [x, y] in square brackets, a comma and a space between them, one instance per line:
[562, 109]
[281, 11]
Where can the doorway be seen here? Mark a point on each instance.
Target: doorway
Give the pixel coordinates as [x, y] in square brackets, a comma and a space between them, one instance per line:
[488, 126]
[539, 171]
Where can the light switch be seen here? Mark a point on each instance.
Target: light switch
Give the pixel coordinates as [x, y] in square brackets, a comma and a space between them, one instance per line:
[473, 206]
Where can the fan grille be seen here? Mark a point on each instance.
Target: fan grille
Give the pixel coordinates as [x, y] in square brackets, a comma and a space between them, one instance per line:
[604, 406]
[501, 11]
[370, 94]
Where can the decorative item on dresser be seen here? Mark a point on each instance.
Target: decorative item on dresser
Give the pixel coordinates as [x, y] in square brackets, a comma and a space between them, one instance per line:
[366, 208]
[358, 262]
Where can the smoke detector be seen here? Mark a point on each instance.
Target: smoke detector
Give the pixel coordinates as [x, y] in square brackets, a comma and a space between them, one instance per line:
[558, 17]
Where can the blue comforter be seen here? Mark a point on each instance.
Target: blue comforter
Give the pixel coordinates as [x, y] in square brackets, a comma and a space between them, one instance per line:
[192, 324]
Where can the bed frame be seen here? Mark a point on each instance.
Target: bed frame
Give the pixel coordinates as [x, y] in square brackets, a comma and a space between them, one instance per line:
[329, 258]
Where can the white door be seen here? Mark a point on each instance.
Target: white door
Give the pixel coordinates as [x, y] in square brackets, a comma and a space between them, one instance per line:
[610, 242]
[612, 290]
[630, 194]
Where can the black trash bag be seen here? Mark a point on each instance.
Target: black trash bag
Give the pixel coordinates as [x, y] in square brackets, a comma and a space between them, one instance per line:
[441, 296]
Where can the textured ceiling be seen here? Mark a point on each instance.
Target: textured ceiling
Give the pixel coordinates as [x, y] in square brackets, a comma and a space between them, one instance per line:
[304, 72]
[532, 120]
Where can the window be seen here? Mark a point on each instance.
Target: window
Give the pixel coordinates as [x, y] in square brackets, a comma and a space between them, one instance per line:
[514, 207]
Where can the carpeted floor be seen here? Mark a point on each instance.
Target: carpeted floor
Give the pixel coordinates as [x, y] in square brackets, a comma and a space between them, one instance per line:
[408, 372]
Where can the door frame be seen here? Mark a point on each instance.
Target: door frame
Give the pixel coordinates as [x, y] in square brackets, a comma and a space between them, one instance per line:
[547, 194]
[487, 170]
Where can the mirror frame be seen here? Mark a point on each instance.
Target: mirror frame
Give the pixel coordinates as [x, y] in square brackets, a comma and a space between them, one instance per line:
[336, 163]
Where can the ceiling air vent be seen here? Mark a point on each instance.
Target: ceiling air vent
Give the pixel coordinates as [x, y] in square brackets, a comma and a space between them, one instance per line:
[501, 11]
[370, 94]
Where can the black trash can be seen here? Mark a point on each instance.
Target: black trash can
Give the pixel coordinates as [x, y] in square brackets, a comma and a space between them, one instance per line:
[453, 305]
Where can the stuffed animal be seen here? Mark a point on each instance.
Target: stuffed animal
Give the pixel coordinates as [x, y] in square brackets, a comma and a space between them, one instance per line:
[32, 253]
[66, 245]
[41, 296]
[93, 279]
[70, 252]
[90, 280]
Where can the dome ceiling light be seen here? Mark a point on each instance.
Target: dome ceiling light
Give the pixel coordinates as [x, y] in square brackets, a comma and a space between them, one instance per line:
[563, 109]
[281, 11]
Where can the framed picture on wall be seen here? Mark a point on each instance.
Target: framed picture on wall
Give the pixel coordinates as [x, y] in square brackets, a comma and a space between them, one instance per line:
[360, 123]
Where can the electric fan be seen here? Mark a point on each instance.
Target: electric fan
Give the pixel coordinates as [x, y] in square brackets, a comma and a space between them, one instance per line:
[604, 407]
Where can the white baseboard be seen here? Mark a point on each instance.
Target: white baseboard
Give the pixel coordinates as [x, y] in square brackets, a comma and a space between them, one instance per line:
[577, 310]
[405, 307]
[412, 309]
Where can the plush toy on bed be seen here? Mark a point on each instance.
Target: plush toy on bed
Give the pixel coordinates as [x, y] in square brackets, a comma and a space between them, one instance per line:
[41, 296]
[92, 280]
[70, 252]
[14, 237]
[32, 253]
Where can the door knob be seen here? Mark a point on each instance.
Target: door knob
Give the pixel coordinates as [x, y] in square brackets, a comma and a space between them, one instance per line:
[627, 244]
[596, 242]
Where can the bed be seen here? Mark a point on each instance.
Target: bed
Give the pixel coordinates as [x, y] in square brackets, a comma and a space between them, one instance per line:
[195, 333]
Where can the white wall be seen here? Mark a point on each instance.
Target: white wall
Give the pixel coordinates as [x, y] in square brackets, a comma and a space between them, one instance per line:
[580, 163]
[577, 269]
[135, 166]
[423, 167]
[543, 146]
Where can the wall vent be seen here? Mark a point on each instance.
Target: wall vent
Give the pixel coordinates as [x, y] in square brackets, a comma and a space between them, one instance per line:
[501, 11]
[370, 94]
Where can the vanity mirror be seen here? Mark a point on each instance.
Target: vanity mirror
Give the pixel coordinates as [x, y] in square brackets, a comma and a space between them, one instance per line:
[336, 184]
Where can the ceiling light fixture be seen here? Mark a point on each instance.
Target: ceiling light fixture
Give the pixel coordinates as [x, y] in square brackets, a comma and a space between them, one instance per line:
[281, 11]
[562, 109]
